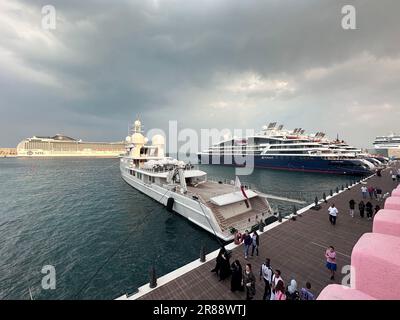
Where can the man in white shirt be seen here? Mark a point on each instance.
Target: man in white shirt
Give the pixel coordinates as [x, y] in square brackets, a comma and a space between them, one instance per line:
[333, 212]
[364, 191]
[266, 274]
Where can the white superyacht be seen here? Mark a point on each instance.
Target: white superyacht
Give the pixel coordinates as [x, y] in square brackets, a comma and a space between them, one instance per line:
[220, 208]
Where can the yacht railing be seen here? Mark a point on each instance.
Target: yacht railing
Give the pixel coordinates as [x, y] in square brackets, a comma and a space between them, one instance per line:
[166, 168]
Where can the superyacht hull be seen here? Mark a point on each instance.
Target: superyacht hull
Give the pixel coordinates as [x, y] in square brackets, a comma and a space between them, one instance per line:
[293, 163]
[194, 211]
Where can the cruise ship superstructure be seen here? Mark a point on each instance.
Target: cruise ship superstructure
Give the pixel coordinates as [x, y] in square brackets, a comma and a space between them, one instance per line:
[278, 148]
[64, 146]
[388, 146]
[391, 141]
[220, 208]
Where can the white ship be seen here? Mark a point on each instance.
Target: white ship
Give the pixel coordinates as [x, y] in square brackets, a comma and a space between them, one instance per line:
[391, 141]
[220, 208]
[281, 149]
[63, 146]
[388, 146]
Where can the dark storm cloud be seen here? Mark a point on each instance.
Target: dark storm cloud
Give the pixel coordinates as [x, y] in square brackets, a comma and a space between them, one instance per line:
[207, 64]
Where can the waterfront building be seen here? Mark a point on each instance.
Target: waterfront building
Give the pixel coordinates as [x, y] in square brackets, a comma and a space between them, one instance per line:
[8, 152]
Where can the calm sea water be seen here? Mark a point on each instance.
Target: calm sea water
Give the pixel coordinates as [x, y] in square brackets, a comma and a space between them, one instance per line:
[78, 214]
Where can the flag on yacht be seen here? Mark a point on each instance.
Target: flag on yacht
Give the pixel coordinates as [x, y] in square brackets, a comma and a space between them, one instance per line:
[238, 184]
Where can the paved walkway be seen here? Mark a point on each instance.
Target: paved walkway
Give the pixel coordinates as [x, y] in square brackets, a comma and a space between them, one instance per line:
[297, 248]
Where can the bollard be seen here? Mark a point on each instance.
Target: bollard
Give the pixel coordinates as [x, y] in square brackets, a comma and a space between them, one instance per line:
[342, 187]
[261, 227]
[279, 217]
[347, 185]
[294, 210]
[324, 197]
[337, 189]
[203, 254]
[153, 277]
[331, 193]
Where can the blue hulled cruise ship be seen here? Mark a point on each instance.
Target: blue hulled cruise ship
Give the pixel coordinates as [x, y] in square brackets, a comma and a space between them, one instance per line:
[277, 148]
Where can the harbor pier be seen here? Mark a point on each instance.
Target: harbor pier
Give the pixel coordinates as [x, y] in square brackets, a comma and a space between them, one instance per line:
[296, 246]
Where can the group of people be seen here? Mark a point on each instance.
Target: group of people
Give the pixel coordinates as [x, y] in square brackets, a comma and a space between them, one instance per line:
[250, 241]
[275, 289]
[246, 280]
[364, 208]
[373, 192]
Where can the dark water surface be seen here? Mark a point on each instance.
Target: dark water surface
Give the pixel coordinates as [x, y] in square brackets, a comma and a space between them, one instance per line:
[78, 214]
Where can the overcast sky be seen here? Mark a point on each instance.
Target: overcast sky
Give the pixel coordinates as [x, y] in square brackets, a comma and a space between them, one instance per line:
[207, 64]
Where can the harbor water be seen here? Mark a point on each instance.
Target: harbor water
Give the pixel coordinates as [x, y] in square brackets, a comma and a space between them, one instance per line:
[100, 234]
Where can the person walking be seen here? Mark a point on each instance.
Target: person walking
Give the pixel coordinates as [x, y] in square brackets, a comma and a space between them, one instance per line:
[292, 293]
[368, 208]
[266, 274]
[219, 261]
[378, 193]
[333, 212]
[364, 191]
[352, 205]
[280, 291]
[305, 293]
[247, 241]
[275, 279]
[225, 266]
[361, 207]
[330, 256]
[255, 243]
[371, 191]
[249, 282]
[237, 276]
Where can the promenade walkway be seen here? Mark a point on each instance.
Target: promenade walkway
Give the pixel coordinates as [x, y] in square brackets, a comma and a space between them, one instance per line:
[296, 247]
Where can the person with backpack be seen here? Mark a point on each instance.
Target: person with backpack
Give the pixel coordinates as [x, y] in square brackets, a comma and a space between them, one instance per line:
[305, 293]
[266, 274]
[352, 205]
